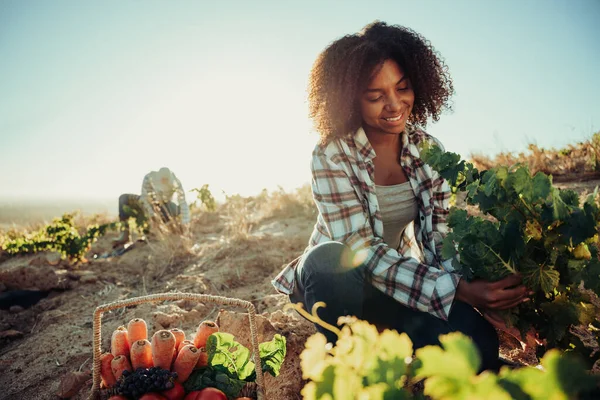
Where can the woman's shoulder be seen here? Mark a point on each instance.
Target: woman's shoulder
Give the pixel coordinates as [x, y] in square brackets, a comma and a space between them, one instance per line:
[334, 150]
[418, 137]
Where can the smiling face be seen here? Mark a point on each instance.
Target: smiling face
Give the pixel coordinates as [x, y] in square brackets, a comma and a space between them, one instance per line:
[386, 103]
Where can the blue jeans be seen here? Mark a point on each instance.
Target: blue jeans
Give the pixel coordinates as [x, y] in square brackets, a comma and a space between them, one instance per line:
[321, 275]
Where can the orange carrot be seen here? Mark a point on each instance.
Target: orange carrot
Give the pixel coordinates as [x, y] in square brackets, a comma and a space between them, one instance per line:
[183, 343]
[141, 354]
[108, 379]
[163, 346]
[203, 359]
[186, 362]
[205, 329]
[118, 365]
[179, 337]
[136, 330]
[119, 344]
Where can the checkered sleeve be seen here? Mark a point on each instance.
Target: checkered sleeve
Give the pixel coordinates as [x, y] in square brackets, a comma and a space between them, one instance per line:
[409, 281]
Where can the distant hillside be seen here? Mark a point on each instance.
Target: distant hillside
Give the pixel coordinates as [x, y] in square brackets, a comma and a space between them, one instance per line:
[26, 212]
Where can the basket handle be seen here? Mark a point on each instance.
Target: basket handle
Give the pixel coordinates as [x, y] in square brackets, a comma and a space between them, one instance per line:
[201, 298]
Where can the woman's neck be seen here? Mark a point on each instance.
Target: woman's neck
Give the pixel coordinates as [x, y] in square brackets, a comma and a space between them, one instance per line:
[384, 141]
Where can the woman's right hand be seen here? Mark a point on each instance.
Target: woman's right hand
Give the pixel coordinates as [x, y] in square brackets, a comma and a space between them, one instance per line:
[500, 295]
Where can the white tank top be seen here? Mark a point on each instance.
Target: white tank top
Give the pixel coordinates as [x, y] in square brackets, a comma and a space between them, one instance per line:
[398, 208]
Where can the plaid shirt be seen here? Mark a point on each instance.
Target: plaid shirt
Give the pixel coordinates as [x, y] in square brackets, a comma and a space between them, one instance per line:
[344, 192]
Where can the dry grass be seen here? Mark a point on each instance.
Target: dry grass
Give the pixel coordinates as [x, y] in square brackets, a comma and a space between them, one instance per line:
[241, 215]
[583, 157]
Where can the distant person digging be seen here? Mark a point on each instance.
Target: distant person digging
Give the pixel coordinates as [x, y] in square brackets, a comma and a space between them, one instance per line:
[155, 203]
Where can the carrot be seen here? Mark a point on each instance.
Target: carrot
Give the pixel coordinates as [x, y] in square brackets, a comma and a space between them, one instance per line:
[119, 344]
[205, 329]
[183, 343]
[108, 379]
[179, 337]
[141, 354]
[163, 346]
[186, 362]
[118, 365]
[136, 330]
[203, 359]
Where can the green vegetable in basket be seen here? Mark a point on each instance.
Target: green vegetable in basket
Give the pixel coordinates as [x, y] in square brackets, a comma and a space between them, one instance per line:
[230, 365]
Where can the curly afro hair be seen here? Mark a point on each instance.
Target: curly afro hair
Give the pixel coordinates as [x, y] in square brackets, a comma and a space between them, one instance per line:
[343, 70]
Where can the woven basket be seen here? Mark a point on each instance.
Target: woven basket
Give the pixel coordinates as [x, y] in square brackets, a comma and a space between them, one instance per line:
[96, 392]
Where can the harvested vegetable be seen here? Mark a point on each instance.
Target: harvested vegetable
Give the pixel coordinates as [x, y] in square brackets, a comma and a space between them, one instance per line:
[177, 392]
[202, 359]
[108, 378]
[205, 329]
[141, 354]
[186, 362]
[163, 347]
[137, 330]
[120, 364]
[119, 342]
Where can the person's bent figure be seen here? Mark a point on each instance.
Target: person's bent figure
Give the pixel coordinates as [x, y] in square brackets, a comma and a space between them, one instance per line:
[159, 190]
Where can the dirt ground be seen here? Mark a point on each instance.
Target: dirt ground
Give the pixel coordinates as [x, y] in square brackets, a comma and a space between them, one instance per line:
[50, 342]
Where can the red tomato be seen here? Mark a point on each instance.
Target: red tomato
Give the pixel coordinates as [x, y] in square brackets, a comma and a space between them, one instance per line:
[206, 394]
[177, 392]
[152, 396]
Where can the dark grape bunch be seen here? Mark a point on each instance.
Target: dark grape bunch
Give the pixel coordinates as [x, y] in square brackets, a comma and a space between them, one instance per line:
[143, 380]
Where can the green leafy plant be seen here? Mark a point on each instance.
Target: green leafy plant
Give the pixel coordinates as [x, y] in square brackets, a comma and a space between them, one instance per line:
[205, 197]
[230, 365]
[61, 236]
[366, 364]
[531, 228]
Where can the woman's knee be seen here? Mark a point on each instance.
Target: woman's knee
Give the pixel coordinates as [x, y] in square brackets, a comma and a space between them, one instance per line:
[324, 258]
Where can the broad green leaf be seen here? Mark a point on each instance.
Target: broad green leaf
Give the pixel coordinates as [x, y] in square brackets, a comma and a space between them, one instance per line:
[313, 357]
[561, 313]
[458, 359]
[560, 210]
[562, 378]
[272, 354]
[392, 351]
[539, 278]
[541, 186]
[225, 352]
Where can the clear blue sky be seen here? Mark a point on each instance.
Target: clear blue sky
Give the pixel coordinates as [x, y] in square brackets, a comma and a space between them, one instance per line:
[94, 94]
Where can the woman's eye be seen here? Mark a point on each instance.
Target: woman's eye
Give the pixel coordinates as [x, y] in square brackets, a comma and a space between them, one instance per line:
[375, 99]
[401, 89]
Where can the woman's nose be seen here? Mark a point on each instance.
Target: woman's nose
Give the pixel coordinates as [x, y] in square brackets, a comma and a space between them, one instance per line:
[393, 103]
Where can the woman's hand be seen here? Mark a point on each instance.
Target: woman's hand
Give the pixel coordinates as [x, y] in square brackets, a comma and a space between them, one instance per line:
[500, 295]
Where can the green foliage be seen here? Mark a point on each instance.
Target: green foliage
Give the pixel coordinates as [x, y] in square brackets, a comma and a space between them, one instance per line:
[230, 365]
[531, 228]
[366, 364]
[61, 236]
[205, 197]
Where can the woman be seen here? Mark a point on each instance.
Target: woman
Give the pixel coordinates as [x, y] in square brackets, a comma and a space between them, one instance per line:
[375, 249]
